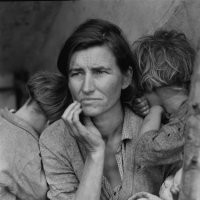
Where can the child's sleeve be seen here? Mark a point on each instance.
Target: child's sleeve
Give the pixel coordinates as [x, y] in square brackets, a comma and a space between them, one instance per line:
[164, 146]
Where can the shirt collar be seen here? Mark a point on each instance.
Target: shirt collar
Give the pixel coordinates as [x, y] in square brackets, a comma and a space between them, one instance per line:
[12, 118]
[130, 124]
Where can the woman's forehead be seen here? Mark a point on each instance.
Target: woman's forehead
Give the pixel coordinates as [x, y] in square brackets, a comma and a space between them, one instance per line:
[94, 57]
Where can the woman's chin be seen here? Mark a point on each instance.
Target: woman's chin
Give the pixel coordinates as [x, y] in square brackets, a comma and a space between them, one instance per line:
[91, 112]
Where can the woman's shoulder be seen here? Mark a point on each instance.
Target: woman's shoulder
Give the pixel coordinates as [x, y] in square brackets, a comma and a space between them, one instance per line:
[132, 115]
[58, 132]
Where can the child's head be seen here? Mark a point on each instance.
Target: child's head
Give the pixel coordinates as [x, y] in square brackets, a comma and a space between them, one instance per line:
[49, 91]
[164, 59]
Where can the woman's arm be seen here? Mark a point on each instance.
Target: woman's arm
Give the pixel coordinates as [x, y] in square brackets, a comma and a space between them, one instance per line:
[90, 183]
[68, 177]
[5, 195]
[87, 134]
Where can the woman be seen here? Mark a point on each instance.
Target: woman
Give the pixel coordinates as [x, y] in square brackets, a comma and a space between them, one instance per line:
[91, 153]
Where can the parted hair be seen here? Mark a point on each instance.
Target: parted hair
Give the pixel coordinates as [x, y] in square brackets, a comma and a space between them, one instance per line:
[98, 32]
[49, 91]
[165, 58]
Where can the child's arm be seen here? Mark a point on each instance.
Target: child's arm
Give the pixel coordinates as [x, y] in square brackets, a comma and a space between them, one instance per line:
[153, 120]
[161, 146]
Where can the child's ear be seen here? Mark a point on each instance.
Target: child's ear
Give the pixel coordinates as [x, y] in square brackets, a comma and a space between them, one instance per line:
[127, 78]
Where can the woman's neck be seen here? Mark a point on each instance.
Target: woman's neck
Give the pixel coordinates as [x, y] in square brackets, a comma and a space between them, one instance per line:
[110, 123]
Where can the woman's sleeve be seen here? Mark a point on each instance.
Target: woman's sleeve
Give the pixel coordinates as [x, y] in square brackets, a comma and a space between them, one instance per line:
[6, 183]
[5, 195]
[60, 175]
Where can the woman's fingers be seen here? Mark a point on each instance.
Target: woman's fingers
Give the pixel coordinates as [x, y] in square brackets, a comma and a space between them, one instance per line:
[86, 133]
[68, 117]
[76, 124]
[89, 135]
[80, 131]
[88, 121]
[86, 130]
[89, 124]
[68, 113]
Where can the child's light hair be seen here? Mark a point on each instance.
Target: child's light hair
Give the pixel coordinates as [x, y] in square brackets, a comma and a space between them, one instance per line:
[163, 59]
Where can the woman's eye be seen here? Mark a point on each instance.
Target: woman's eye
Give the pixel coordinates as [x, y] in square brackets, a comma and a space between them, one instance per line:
[72, 74]
[100, 72]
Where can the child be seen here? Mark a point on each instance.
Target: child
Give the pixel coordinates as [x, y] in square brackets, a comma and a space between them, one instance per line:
[21, 172]
[164, 67]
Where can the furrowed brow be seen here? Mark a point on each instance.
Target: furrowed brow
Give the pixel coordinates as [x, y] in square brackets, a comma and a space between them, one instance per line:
[102, 68]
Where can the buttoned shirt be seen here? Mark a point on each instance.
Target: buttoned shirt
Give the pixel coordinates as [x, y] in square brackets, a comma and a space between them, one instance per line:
[63, 159]
[21, 173]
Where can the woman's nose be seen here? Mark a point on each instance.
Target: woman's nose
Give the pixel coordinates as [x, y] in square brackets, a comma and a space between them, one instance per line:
[88, 84]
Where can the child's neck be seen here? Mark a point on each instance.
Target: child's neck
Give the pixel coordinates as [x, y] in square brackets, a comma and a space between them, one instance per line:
[28, 114]
[172, 98]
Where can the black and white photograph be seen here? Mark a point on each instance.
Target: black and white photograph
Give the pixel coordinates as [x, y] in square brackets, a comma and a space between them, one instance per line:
[100, 100]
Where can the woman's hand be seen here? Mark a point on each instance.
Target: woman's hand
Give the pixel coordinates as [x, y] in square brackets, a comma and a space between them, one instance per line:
[140, 106]
[86, 134]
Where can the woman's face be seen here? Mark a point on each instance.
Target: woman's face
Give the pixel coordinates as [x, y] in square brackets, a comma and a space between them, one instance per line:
[95, 80]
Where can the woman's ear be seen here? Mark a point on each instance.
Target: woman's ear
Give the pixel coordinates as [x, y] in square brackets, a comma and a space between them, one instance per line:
[127, 78]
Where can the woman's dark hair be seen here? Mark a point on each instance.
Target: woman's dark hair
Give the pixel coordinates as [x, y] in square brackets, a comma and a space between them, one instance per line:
[49, 91]
[98, 32]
